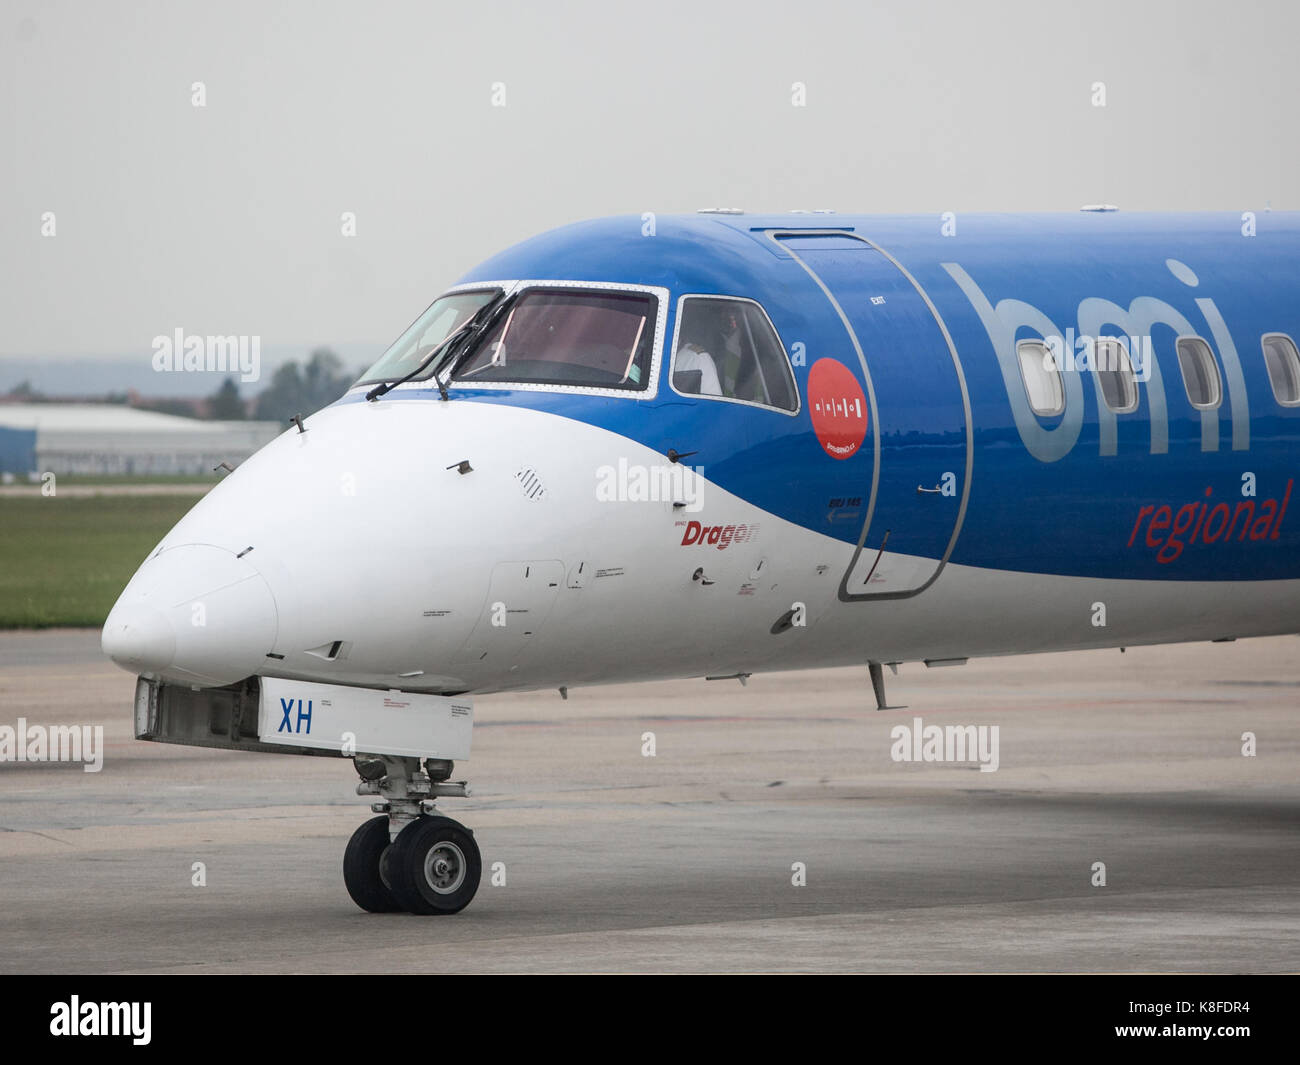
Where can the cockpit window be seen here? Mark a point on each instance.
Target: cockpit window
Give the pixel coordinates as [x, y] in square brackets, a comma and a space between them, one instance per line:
[727, 349]
[568, 337]
[444, 316]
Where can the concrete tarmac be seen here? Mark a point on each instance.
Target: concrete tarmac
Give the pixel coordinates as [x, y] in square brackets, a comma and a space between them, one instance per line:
[685, 861]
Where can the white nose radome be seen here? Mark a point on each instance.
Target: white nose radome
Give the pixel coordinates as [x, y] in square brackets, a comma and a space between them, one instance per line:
[139, 638]
[196, 614]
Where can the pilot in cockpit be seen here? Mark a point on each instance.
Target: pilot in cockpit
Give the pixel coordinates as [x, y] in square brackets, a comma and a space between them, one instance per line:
[694, 370]
[712, 359]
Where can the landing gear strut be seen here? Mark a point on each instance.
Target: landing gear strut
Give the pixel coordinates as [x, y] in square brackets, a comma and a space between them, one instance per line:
[411, 858]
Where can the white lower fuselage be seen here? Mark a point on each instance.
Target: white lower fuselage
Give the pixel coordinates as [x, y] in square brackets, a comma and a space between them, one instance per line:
[375, 562]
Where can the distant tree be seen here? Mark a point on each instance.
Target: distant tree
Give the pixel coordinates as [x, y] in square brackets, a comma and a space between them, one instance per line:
[282, 398]
[224, 404]
[25, 392]
[324, 378]
[303, 390]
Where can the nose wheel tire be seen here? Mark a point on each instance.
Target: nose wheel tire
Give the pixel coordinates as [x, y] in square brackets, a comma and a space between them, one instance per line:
[433, 866]
[361, 868]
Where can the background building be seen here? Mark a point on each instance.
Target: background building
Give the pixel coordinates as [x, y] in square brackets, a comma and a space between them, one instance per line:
[111, 439]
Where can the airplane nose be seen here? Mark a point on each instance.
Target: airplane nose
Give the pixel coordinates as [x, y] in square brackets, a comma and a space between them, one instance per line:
[195, 613]
[139, 638]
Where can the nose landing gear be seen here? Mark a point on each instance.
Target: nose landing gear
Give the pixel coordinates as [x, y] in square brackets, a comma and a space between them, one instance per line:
[410, 858]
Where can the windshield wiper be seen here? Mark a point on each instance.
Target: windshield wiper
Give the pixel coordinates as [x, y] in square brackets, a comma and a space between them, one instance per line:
[445, 345]
[492, 313]
[384, 387]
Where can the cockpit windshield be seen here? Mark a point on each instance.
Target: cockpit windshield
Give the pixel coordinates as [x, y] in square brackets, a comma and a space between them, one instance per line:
[597, 339]
[444, 316]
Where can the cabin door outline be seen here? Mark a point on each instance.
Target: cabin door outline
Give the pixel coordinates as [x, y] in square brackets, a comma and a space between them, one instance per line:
[860, 563]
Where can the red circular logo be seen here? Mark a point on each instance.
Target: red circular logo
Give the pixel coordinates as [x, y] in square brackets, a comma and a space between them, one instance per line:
[838, 408]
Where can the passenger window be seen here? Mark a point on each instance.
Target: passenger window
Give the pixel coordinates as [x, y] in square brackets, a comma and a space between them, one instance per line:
[1042, 384]
[1200, 373]
[728, 349]
[1115, 372]
[1283, 363]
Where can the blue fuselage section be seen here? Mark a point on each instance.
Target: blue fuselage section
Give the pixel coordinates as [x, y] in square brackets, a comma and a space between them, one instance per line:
[925, 313]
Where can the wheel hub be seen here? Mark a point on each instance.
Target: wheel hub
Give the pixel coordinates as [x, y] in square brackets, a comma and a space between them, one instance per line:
[444, 867]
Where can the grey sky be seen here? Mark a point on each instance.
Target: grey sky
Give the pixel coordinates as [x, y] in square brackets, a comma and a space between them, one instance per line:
[226, 219]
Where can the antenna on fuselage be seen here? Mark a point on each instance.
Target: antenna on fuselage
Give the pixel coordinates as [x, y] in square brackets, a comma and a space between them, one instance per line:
[878, 686]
